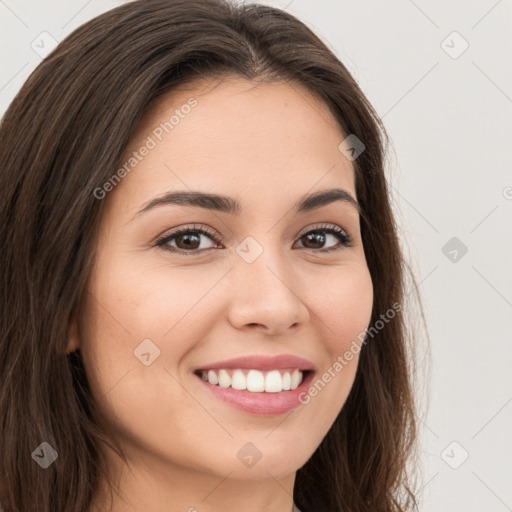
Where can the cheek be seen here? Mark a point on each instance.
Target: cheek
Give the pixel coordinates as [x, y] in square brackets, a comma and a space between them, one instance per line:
[344, 309]
[124, 320]
[344, 306]
[151, 297]
[128, 304]
[114, 322]
[131, 301]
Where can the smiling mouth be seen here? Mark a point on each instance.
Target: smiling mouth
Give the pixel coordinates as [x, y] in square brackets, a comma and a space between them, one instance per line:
[254, 381]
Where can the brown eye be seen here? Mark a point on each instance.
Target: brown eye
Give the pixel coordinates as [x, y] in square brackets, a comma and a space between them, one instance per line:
[315, 239]
[187, 241]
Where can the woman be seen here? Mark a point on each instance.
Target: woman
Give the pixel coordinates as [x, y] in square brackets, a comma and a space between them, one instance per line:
[203, 285]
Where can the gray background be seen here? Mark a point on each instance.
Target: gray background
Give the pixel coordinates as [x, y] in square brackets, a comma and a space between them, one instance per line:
[449, 117]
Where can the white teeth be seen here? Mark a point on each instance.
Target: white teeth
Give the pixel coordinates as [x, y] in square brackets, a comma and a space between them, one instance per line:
[273, 382]
[286, 381]
[296, 379]
[224, 379]
[238, 380]
[256, 381]
[212, 377]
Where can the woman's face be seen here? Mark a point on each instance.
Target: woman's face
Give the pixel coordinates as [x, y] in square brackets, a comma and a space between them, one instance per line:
[255, 282]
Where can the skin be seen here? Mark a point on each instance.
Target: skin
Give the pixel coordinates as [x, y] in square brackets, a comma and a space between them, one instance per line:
[266, 146]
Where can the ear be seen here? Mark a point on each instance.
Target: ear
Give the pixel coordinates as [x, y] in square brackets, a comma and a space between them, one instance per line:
[73, 341]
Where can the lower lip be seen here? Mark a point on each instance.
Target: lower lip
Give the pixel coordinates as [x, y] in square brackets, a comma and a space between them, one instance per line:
[263, 404]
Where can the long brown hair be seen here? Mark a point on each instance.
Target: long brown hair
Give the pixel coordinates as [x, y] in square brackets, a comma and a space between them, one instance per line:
[63, 136]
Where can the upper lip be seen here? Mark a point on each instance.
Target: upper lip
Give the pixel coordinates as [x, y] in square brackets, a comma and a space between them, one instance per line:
[262, 363]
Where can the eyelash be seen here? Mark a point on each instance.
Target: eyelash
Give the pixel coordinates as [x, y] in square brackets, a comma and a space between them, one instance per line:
[341, 234]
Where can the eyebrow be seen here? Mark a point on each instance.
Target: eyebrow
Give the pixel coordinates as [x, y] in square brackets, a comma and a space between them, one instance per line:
[231, 206]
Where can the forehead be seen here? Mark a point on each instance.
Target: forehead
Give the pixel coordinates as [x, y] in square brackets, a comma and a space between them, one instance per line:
[236, 138]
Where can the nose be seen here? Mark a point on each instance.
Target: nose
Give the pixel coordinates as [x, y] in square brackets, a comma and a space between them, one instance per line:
[266, 295]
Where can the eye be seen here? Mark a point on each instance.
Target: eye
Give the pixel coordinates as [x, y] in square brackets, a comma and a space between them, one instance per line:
[187, 240]
[317, 237]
